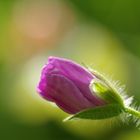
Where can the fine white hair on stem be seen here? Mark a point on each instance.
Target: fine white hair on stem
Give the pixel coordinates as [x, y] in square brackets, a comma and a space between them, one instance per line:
[129, 119]
[130, 114]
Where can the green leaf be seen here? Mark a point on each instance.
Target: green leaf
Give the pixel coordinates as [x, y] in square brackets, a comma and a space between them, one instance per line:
[102, 112]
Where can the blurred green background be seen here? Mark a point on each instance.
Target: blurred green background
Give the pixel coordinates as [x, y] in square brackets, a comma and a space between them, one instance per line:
[101, 34]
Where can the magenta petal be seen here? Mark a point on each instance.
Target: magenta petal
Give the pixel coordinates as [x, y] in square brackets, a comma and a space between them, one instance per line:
[70, 69]
[80, 76]
[41, 88]
[67, 84]
[65, 94]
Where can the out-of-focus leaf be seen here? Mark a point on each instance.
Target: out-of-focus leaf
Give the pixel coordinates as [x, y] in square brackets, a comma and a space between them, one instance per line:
[120, 16]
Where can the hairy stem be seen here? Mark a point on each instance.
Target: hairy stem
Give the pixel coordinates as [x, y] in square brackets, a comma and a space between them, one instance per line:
[132, 111]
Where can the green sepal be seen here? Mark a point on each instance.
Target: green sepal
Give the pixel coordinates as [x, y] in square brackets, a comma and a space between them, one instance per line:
[102, 112]
[104, 92]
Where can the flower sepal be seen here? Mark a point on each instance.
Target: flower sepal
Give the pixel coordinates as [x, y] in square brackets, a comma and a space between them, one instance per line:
[97, 113]
[105, 92]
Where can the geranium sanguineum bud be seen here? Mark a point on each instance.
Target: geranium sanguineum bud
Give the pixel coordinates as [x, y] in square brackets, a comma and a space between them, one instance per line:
[79, 91]
[67, 84]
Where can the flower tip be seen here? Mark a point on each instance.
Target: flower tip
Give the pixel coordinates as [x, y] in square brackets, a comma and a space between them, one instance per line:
[59, 59]
[50, 58]
[38, 89]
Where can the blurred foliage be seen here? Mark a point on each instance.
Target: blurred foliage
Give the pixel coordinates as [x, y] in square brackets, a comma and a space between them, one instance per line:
[102, 34]
[120, 16]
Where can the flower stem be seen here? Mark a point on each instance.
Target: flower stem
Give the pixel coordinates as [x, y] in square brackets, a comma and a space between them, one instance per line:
[132, 111]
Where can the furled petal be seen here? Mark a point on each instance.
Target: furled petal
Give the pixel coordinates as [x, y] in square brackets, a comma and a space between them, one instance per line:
[41, 88]
[65, 94]
[80, 76]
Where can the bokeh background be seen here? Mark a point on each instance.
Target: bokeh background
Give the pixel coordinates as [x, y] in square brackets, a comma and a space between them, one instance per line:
[102, 34]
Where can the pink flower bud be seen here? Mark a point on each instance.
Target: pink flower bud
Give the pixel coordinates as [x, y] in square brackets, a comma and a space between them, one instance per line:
[67, 84]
